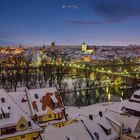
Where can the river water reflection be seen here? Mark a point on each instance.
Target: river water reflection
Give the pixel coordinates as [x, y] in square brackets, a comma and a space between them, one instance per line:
[99, 95]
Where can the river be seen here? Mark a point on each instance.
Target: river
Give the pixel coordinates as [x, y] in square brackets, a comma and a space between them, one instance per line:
[98, 95]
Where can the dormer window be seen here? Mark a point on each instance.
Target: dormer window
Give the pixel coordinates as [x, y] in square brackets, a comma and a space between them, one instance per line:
[106, 129]
[36, 96]
[5, 112]
[29, 124]
[137, 96]
[55, 101]
[3, 100]
[7, 115]
[123, 108]
[133, 112]
[96, 135]
[56, 105]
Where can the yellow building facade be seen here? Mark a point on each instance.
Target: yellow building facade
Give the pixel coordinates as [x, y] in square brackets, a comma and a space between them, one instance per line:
[19, 131]
[30, 136]
[50, 116]
[64, 123]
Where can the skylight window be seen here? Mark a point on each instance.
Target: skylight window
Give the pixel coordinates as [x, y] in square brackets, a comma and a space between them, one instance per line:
[36, 96]
[3, 100]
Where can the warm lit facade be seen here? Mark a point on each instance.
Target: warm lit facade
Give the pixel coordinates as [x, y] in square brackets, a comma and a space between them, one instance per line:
[85, 49]
[12, 50]
[64, 123]
[87, 58]
[49, 116]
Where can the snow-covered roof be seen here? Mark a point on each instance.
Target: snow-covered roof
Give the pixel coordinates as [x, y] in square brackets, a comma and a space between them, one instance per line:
[126, 121]
[5, 109]
[80, 113]
[79, 131]
[127, 115]
[8, 105]
[36, 100]
[136, 97]
[131, 105]
[54, 98]
[20, 99]
[137, 92]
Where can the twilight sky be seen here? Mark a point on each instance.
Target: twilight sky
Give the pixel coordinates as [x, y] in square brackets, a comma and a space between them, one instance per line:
[99, 22]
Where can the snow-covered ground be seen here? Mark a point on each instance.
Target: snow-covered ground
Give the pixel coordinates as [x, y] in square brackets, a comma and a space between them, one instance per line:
[84, 112]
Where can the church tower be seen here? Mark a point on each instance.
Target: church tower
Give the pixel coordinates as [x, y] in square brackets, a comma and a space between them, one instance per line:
[84, 47]
[52, 47]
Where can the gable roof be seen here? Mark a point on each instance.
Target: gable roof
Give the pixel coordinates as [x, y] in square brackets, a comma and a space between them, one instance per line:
[41, 100]
[20, 99]
[8, 107]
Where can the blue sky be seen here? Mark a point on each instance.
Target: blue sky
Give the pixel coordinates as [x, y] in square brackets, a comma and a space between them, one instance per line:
[98, 22]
